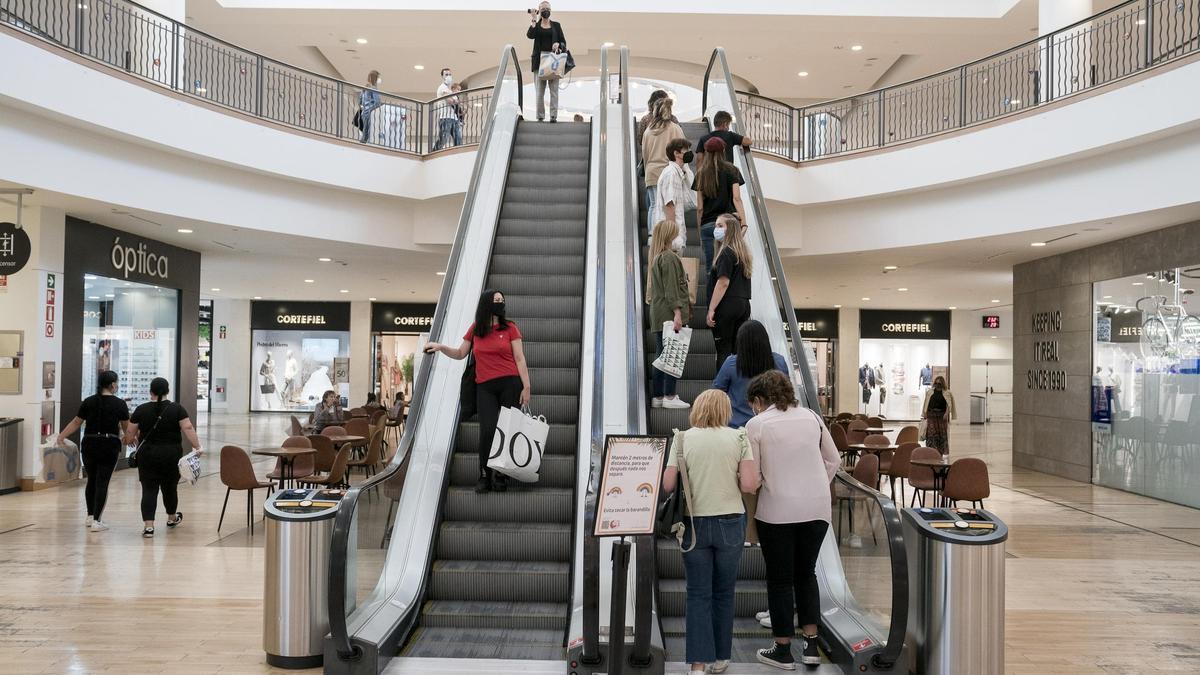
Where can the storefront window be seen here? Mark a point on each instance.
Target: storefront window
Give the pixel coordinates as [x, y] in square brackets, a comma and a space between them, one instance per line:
[398, 331]
[1146, 385]
[300, 350]
[132, 329]
[900, 354]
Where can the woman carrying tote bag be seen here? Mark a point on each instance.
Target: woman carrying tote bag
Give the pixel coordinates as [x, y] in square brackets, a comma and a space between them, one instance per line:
[547, 36]
[161, 425]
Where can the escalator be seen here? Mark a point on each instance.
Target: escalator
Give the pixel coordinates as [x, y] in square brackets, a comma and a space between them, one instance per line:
[500, 579]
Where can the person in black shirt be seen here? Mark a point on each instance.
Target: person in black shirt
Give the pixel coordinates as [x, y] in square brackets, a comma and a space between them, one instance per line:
[160, 426]
[718, 191]
[721, 122]
[103, 418]
[547, 36]
[729, 280]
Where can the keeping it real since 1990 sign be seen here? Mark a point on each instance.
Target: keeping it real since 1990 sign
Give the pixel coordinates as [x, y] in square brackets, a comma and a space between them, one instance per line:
[630, 481]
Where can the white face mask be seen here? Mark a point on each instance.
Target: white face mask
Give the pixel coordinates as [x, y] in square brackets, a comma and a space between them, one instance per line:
[679, 243]
[449, 80]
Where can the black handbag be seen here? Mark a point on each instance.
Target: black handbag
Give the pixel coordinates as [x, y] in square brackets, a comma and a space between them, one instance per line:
[358, 121]
[132, 459]
[466, 391]
[570, 63]
[672, 513]
[267, 388]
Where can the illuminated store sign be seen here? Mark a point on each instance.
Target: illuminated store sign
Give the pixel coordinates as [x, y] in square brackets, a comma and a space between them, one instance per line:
[904, 324]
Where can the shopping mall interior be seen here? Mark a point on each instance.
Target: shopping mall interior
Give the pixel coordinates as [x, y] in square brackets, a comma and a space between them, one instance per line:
[969, 232]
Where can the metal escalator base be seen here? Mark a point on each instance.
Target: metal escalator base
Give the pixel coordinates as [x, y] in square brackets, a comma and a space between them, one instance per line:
[499, 586]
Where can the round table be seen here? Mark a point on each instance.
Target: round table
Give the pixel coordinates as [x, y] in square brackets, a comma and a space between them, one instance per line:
[873, 449]
[940, 468]
[878, 430]
[287, 457]
[339, 441]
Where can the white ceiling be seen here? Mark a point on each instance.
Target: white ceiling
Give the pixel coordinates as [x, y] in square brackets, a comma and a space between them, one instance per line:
[767, 51]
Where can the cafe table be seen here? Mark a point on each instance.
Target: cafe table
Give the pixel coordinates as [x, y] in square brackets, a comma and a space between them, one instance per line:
[287, 458]
[940, 468]
[879, 430]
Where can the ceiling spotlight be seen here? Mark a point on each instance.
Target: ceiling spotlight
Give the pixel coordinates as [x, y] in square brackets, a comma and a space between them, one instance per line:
[856, 48]
[837, 306]
[215, 290]
[803, 73]
[308, 281]
[418, 67]
[183, 230]
[361, 41]
[902, 289]
[607, 44]
[951, 308]
[371, 299]
[1038, 243]
[324, 259]
[866, 299]
[889, 268]
[344, 290]
[995, 301]
[1138, 283]
[440, 274]
[1141, 22]
[258, 297]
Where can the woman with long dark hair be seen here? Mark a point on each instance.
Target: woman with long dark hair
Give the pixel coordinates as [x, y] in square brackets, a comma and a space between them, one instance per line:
[501, 375]
[718, 191]
[729, 284]
[937, 411]
[103, 417]
[753, 357]
[160, 427]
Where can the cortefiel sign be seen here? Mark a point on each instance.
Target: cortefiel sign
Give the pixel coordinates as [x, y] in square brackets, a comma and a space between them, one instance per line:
[631, 475]
[904, 324]
[291, 315]
[1127, 327]
[817, 324]
[401, 317]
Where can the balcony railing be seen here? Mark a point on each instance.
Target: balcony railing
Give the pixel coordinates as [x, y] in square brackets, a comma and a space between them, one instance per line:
[156, 49]
[1127, 39]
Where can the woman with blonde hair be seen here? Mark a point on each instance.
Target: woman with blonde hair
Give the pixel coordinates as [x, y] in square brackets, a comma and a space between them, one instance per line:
[719, 467]
[659, 134]
[729, 284]
[667, 295]
[937, 411]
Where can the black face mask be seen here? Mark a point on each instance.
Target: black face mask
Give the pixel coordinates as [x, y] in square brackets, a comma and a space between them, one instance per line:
[545, 14]
[688, 157]
[498, 309]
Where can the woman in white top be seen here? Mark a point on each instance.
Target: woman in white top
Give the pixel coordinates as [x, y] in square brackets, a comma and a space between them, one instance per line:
[797, 459]
[719, 469]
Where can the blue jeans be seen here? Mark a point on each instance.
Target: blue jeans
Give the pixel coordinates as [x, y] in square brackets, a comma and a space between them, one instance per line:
[662, 383]
[711, 569]
[652, 214]
[706, 249]
[449, 134]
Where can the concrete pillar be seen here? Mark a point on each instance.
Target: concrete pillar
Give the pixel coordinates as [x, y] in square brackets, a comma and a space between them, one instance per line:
[1066, 63]
[848, 393]
[231, 355]
[960, 363]
[360, 352]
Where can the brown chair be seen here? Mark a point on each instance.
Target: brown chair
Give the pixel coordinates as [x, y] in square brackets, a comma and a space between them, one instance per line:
[375, 415]
[358, 426]
[337, 472]
[876, 440]
[325, 452]
[839, 440]
[899, 467]
[866, 471]
[844, 416]
[302, 466]
[855, 434]
[356, 413]
[297, 428]
[920, 478]
[370, 462]
[333, 430]
[908, 434]
[860, 416]
[237, 473]
[875, 422]
[968, 480]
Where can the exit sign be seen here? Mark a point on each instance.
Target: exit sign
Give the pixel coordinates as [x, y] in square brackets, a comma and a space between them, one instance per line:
[991, 321]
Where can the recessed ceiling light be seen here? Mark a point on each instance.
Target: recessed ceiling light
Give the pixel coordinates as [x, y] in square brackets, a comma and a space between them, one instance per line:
[951, 308]
[1038, 243]
[441, 274]
[361, 41]
[837, 306]
[183, 230]
[308, 281]
[418, 67]
[993, 337]
[766, 125]
[1141, 22]
[324, 259]
[902, 289]
[258, 297]
[856, 48]
[1107, 297]
[109, 295]
[803, 73]
[371, 299]
[608, 44]
[866, 299]
[890, 267]
[995, 301]
[1138, 283]
[215, 290]
[1015, 101]
[344, 290]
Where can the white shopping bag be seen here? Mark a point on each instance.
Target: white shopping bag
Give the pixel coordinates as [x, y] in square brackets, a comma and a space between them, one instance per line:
[189, 468]
[552, 66]
[518, 444]
[675, 350]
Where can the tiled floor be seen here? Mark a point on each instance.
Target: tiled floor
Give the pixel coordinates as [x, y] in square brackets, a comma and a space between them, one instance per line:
[1099, 581]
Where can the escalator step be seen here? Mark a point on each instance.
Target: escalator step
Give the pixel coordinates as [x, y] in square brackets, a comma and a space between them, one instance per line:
[557, 471]
[545, 152]
[551, 504]
[743, 627]
[545, 307]
[514, 241]
[670, 561]
[534, 258]
[562, 439]
[479, 614]
[575, 165]
[487, 643]
[502, 580]
[528, 284]
[516, 541]
[548, 330]
[750, 597]
[538, 179]
[537, 195]
[544, 211]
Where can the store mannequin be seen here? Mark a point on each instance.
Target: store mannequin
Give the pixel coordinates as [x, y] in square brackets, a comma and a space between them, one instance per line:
[267, 387]
[882, 383]
[926, 376]
[290, 370]
[866, 381]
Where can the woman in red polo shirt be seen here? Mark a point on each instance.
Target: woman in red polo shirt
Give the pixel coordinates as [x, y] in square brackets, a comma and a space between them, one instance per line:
[501, 376]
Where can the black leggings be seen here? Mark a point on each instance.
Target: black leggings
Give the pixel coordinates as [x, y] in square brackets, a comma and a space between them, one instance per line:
[790, 552]
[729, 317]
[99, 461]
[490, 397]
[158, 470]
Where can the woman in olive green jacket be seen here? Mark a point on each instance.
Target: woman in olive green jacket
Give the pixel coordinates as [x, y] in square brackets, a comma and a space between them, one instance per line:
[667, 294]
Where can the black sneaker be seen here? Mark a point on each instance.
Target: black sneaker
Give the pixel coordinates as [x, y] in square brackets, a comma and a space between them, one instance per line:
[812, 655]
[499, 482]
[178, 519]
[484, 484]
[779, 656]
[148, 533]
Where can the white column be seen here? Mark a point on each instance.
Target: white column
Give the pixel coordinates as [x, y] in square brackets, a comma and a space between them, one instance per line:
[1065, 66]
[848, 393]
[360, 352]
[960, 363]
[231, 355]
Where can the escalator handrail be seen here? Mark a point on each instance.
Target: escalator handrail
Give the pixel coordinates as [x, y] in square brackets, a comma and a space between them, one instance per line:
[635, 335]
[774, 262]
[344, 521]
[893, 525]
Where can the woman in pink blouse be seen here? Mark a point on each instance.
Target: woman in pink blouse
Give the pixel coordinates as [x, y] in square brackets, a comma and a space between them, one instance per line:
[797, 459]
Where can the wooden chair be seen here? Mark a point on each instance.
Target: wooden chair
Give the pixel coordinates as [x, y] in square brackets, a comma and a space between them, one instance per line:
[908, 434]
[302, 466]
[866, 471]
[359, 426]
[855, 434]
[337, 472]
[899, 468]
[333, 430]
[237, 473]
[370, 462]
[875, 422]
[860, 416]
[844, 416]
[325, 452]
[297, 428]
[839, 439]
[920, 478]
[968, 480]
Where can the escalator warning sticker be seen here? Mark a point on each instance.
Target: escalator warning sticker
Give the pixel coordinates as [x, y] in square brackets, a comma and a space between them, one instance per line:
[859, 646]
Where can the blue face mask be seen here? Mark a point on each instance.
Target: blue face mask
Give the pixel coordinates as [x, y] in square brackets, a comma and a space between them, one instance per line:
[719, 234]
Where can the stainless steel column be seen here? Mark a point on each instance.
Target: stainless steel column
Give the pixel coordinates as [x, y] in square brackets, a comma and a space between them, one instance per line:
[10, 453]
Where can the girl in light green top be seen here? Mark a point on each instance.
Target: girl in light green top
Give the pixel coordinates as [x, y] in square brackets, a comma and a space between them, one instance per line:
[720, 467]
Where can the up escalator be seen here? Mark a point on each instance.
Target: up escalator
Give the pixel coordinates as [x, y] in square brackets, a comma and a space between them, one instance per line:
[500, 580]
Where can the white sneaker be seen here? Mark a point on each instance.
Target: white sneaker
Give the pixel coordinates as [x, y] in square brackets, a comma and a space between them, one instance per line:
[89, 521]
[762, 615]
[98, 526]
[656, 402]
[855, 541]
[765, 621]
[719, 666]
[676, 403]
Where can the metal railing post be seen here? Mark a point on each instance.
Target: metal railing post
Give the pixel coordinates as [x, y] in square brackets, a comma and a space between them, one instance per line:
[793, 119]
[962, 96]
[882, 103]
[79, 27]
[175, 50]
[341, 107]
[258, 94]
[1149, 33]
[1048, 80]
